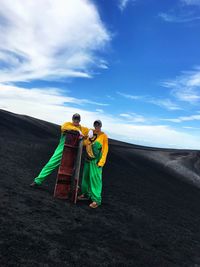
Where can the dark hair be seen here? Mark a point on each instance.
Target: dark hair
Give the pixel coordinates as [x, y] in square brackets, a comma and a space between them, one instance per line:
[97, 123]
[76, 116]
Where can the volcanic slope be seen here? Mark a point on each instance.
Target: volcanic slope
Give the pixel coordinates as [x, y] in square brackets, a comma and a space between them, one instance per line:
[149, 216]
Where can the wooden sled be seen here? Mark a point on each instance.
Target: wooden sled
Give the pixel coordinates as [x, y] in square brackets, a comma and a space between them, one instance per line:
[67, 181]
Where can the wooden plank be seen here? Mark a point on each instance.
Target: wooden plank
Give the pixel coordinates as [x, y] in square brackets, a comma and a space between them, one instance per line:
[67, 166]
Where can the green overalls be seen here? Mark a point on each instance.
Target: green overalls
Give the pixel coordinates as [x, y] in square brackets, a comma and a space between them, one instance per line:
[54, 162]
[92, 174]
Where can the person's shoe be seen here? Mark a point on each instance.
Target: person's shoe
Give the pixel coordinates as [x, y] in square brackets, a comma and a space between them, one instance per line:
[93, 205]
[34, 184]
[82, 197]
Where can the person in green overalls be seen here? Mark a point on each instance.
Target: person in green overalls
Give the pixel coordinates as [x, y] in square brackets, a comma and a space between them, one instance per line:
[96, 153]
[55, 160]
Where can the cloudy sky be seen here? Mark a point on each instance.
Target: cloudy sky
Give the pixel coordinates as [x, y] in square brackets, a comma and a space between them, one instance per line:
[134, 64]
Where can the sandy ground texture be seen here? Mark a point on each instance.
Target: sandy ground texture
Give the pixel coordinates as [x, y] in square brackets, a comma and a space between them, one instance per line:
[150, 214]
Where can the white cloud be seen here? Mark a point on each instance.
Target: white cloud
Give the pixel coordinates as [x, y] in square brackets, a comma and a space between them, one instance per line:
[124, 3]
[178, 18]
[185, 87]
[52, 106]
[132, 117]
[191, 128]
[133, 97]
[153, 135]
[185, 12]
[16, 97]
[164, 103]
[50, 39]
[166, 17]
[110, 97]
[99, 110]
[195, 117]
[187, 95]
[191, 2]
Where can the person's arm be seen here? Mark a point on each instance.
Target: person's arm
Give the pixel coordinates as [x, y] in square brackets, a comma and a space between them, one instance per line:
[84, 131]
[86, 142]
[102, 161]
[67, 126]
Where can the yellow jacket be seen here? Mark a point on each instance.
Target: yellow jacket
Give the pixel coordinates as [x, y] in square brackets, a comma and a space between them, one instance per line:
[67, 126]
[101, 141]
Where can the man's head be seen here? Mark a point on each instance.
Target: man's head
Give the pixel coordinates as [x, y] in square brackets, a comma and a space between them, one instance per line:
[97, 125]
[76, 118]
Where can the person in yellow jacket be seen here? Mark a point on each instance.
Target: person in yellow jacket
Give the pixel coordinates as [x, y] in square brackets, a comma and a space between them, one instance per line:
[55, 160]
[96, 153]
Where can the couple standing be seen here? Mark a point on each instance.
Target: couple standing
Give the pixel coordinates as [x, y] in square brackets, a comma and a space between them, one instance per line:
[96, 143]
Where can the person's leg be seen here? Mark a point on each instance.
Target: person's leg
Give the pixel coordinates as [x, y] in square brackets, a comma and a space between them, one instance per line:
[95, 182]
[52, 163]
[85, 184]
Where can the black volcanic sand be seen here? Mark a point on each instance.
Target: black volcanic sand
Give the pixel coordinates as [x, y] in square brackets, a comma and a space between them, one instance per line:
[149, 216]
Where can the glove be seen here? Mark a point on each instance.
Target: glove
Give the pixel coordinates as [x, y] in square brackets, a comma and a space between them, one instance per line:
[90, 133]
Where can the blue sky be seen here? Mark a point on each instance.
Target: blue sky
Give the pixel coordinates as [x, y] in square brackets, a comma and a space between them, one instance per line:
[133, 64]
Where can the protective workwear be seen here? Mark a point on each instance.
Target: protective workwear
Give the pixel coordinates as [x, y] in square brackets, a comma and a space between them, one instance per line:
[96, 150]
[57, 155]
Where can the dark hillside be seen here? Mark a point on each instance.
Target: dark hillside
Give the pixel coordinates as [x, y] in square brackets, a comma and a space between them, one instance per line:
[150, 215]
